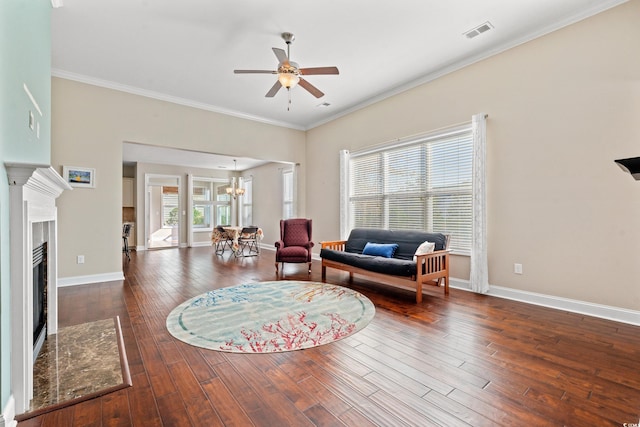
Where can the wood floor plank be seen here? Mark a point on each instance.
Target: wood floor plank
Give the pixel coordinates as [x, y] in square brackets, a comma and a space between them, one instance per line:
[156, 369]
[88, 413]
[59, 418]
[32, 422]
[142, 403]
[285, 385]
[391, 374]
[253, 367]
[340, 400]
[354, 417]
[250, 399]
[461, 412]
[423, 376]
[462, 359]
[415, 411]
[172, 411]
[346, 379]
[321, 417]
[201, 369]
[195, 400]
[115, 409]
[230, 411]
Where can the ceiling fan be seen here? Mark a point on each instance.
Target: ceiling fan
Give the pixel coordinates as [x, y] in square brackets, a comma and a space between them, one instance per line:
[289, 73]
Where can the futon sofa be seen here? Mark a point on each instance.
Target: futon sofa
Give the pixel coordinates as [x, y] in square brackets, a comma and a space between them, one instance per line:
[390, 256]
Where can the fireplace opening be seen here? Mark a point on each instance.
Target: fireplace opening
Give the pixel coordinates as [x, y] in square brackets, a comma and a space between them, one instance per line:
[39, 297]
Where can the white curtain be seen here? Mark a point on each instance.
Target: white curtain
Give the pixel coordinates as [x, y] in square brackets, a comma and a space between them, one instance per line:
[344, 196]
[479, 276]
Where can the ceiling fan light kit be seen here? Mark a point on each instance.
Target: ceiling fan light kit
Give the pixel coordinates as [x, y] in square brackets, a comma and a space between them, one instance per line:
[289, 73]
[288, 76]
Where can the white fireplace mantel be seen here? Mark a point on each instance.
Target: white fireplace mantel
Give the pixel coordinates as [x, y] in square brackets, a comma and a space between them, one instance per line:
[33, 189]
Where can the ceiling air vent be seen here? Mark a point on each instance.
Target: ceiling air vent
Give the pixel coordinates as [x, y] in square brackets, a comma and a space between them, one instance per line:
[478, 30]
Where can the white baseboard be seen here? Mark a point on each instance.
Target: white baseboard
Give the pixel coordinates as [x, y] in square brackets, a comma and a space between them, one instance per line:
[93, 278]
[9, 413]
[270, 247]
[201, 244]
[617, 314]
[181, 245]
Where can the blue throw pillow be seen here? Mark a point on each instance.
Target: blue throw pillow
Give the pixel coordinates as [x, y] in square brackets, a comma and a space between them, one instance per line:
[380, 249]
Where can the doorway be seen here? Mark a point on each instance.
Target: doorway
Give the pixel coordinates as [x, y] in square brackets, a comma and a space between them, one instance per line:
[163, 211]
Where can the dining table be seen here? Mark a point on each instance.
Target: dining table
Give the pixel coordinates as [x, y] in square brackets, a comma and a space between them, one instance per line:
[233, 233]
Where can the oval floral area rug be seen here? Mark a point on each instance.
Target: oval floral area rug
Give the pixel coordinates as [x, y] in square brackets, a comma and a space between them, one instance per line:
[267, 317]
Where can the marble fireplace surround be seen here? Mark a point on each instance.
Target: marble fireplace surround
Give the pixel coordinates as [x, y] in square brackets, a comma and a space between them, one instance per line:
[33, 190]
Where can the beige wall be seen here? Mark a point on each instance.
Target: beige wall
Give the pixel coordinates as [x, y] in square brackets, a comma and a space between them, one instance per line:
[561, 109]
[89, 125]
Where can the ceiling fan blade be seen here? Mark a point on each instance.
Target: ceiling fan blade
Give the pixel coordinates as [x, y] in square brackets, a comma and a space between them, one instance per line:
[311, 88]
[319, 70]
[281, 55]
[274, 89]
[254, 72]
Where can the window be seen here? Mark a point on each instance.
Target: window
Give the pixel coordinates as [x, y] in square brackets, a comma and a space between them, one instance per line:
[288, 210]
[169, 206]
[420, 184]
[211, 203]
[202, 204]
[222, 206]
[247, 203]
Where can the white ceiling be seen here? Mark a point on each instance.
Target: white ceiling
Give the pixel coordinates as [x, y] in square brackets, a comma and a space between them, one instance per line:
[185, 51]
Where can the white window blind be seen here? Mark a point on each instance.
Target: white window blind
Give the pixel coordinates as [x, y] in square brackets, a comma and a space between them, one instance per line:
[420, 184]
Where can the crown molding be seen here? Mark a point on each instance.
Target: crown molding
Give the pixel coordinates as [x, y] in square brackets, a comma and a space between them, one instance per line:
[167, 98]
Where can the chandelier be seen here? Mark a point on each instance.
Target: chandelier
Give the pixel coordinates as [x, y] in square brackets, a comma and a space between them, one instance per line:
[234, 190]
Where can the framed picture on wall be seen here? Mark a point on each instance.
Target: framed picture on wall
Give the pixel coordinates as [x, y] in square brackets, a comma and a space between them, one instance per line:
[79, 177]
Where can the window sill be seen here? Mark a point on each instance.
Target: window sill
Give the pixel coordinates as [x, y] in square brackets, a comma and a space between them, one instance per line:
[461, 253]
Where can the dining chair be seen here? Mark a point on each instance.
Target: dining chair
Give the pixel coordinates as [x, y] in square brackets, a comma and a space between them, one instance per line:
[223, 240]
[126, 231]
[248, 239]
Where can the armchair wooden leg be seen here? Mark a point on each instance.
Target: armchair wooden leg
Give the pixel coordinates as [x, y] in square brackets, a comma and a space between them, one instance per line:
[324, 272]
[277, 269]
[309, 269]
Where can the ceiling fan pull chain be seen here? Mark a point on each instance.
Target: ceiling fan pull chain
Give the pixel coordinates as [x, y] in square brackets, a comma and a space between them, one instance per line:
[289, 104]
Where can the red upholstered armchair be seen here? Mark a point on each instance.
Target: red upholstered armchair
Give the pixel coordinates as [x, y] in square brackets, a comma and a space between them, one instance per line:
[295, 242]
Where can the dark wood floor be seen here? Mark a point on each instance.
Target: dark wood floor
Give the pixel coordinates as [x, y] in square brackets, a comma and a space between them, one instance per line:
[464, 359]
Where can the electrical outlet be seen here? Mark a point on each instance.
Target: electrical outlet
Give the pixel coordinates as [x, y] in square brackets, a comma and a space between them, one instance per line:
[517, 268]
[80, 259]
